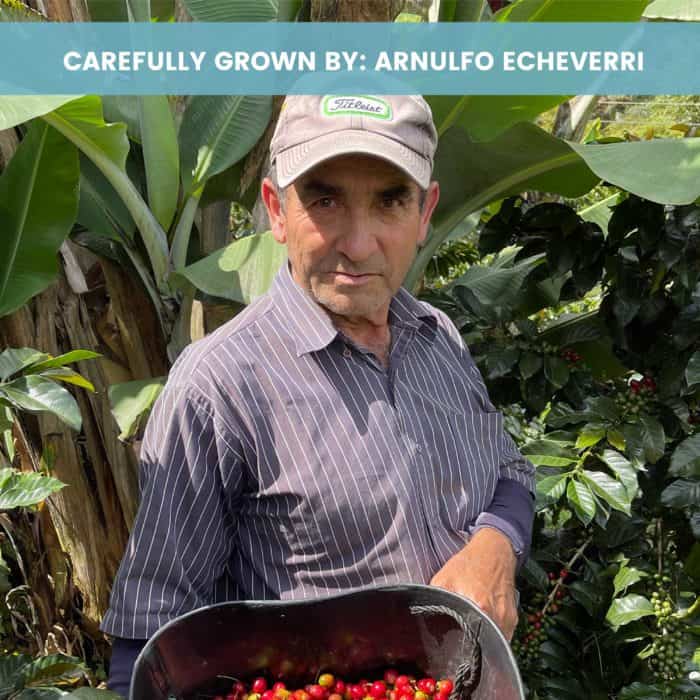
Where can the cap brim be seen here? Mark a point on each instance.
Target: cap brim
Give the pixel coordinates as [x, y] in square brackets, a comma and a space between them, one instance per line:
[295, 161]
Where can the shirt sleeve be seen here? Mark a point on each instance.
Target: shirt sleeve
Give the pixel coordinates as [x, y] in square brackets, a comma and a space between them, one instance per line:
[512, 513]
[121, 664]
[190, 474]
[511, 510]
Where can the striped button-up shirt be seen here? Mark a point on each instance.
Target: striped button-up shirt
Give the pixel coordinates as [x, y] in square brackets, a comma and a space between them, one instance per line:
[283, 461]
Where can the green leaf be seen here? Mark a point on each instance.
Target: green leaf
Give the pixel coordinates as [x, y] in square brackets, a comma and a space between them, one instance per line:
[616, 439]
[653, 439]
[11, 670]
[589, 595]
[107, 145]
[599, 357]
[549, 447]
[692, 370]
[12, 360]
[623, 470]
[227, 186]
[572, 11]
[691, 566]
[530, 364]
[571, 330]
[610, 490]
[604, 407]
[36, 394]
[39, 694]
[472, 175]
[38, 206]
[217, 131]
[661, 170]
[500, 361]
[16, 109]
[138, 10]
[601, 212]
[535, 574]
[62, 360]
[131, 403]
[94, 694]
[241, 272]
[681, 493]
[589, 436]
[161, 156]
[494, 287]
[101, 209]
[15, 11]
[68, 376]
[676, 10]
[634, 441]
[627, 609]
[626, 577]
[484, 117]
[581, 500]
[640, 691]
[686, 457]
[47, 670]
[86, 115]
[122, 108]
[551, 488]
[556, 370]
[239, 11]
[549, 453]
[22, 489]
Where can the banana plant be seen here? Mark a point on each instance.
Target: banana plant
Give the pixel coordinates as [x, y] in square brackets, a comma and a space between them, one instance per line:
[31, 381]
[216, 133]
[44, 677]
[490, 149]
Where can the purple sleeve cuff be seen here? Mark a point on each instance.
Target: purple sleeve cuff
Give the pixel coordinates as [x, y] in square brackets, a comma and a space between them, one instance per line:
[511, 512]
[121, 666]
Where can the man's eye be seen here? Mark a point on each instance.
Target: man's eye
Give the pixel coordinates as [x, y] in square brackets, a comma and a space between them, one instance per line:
[325, 202]
[392, 202]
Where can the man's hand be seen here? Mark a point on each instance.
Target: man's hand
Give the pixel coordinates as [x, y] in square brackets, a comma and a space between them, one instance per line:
[484, 571]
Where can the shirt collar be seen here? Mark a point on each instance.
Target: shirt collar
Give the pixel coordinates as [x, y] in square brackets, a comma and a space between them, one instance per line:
[312, 328]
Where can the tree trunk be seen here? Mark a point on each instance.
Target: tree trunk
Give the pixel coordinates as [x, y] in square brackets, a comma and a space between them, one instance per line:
[355, 10]
[572, 117]
[89, 519]
[87, 514]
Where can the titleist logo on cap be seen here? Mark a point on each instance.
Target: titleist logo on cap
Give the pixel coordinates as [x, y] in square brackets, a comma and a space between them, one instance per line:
[356, 104]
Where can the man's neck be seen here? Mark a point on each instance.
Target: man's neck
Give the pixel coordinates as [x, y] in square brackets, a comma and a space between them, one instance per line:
[373, 337]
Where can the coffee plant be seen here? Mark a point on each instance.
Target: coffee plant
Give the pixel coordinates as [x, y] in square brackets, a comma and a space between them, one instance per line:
[604, 398]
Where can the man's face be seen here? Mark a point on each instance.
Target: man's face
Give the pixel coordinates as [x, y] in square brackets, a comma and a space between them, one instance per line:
[352, 226]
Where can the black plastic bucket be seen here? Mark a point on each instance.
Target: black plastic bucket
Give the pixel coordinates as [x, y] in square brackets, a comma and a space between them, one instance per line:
[418, 629]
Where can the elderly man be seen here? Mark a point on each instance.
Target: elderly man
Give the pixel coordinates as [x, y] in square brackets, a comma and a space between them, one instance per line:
[337, 433]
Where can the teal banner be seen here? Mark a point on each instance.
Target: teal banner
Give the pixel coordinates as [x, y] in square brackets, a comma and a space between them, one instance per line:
[278, 58]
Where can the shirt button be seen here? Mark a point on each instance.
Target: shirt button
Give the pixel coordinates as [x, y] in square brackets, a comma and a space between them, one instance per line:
[347, 352]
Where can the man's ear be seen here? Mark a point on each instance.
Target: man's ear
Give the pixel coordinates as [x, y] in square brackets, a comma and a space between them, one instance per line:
[432, 196]
[274, 210]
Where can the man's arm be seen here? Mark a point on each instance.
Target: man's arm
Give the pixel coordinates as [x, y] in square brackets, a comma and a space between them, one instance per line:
[121, 665]
[512, 513]
[191, 472]
[484, 570]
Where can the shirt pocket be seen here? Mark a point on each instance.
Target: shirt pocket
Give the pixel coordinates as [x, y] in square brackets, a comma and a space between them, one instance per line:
[474, 457]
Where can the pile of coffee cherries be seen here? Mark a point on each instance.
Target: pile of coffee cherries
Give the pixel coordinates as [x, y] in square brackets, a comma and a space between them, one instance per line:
[393, 686]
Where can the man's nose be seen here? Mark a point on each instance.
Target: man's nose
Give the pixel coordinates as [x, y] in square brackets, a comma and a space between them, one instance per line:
[358, 240]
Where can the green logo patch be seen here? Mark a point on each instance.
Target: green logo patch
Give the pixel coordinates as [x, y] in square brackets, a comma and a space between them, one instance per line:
[362, 105]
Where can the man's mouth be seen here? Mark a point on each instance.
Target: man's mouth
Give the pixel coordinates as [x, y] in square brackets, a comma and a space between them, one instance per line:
[352, 278]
